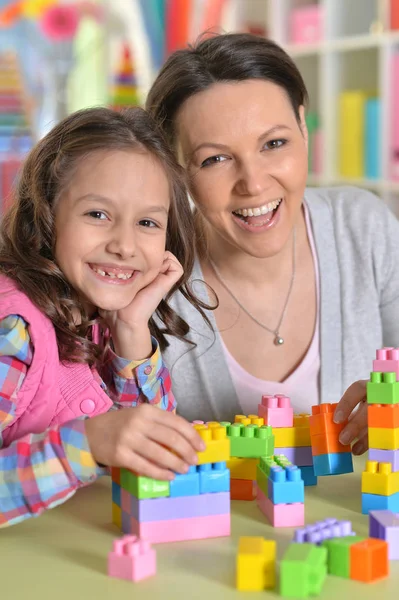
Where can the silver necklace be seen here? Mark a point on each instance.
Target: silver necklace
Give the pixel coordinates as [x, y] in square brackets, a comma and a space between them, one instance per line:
[278, 340]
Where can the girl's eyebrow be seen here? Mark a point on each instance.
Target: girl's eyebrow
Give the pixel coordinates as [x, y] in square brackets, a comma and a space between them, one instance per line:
[105, 200]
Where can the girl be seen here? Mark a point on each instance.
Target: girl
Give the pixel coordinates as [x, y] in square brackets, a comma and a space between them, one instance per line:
[90, 249]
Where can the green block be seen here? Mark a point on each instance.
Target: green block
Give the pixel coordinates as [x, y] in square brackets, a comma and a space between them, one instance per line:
[339, 554]
[144, 487]
[303, 570]
[250, 441]
[383, 389]
[261, 480]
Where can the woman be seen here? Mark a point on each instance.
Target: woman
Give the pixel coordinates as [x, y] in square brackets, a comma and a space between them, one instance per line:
[307, 279]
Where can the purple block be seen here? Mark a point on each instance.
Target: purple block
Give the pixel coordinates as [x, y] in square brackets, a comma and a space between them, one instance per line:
[180, 507]
[301, 457]
[390, 456]
[384, 525]
[323, 530]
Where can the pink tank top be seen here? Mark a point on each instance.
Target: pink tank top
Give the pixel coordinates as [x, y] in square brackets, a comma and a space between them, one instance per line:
[302, 386]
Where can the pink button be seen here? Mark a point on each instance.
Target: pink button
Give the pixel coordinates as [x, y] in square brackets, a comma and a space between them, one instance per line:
[87, 406]
[147, 370]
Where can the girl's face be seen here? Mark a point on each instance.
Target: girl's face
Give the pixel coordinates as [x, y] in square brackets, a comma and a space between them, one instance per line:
[111, 223]
[246, 157]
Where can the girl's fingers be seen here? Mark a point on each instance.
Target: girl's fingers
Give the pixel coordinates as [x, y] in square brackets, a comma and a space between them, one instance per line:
[353, 395]
[146, 468]
[174, 444]
[181, 427]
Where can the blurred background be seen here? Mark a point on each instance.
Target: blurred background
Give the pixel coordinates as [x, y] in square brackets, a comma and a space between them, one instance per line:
[57, 56]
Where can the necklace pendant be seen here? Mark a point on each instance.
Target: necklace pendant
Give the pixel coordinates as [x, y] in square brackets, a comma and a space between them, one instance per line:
[278, 340]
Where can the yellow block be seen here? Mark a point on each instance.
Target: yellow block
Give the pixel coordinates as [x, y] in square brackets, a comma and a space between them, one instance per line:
[256, 564]
[379, 479]
[351, 133]
[217, 443]
[384, 438]
[243, 468]
[117, 515]
[291, 437]
[35, 8]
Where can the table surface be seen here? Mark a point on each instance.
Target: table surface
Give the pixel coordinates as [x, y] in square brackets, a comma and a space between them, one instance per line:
[63, 553]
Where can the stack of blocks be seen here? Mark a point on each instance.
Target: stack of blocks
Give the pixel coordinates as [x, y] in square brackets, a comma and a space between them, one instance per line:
[291, 434]
[249, 440]
[256, 564]
[195, 505]
[380, 480]
[330, 457]
[281, 492]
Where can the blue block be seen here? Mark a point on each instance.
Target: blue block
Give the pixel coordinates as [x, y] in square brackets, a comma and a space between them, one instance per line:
[214, 478]
[372, 138]
[308, 476]
[285, 486]
[185, 485]
[336, 463]
[376, 502]
[116, 493]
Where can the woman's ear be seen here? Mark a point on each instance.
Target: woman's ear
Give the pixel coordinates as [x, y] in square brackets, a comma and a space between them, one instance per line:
[303, 126]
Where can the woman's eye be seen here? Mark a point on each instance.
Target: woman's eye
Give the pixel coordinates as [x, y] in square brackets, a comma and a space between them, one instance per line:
[213, 160]
[274, 144]
[148, 223]
[97, 214]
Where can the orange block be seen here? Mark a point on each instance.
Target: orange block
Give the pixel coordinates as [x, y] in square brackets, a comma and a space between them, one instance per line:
[327, 444]
[116, 474]
[369, 560]
[321, 420]
[242, 489]
[383, 415]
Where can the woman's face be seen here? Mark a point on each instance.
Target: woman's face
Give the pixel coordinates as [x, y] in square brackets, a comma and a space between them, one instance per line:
[246, 157]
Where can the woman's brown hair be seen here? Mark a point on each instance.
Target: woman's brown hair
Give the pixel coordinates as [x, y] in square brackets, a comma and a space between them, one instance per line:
[27, 233]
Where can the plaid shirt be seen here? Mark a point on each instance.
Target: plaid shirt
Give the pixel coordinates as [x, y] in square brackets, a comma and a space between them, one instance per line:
[40, 471]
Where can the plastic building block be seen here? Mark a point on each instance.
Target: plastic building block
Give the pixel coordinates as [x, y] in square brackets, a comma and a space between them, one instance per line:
[298, 435]
[308, 476]
[328, 444]
[116, 475]
[249, 420]
[383, 438]
[301, 456]
[117, 515]
[379, 479]
[369, 560]
[181, 507]
[132, 559]
[243, 468]
[214, 478]
[285, 486]
[250, 441]
[265, 466]
[187, 484]
[339, 554]
[143, 487]
[387, 361]
[281, 515]
[389, 456]
[303, 570]
[256, 564]
[382, 388]
[179, 530]
[376, 502]
[384, 525]
[242, 489]
[276, 411]
[306, 24]
[383, 415]
[217, 443]
[116, 493]
[321, 420]
[323, 530]
[333, 464]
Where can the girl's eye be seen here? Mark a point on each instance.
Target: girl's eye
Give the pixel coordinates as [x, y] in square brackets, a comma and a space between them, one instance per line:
[148, 223]
[213, 160]
[273, 144]
[97, 214]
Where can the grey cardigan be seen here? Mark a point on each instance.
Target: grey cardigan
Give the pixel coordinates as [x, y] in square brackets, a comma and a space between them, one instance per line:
[357, 244]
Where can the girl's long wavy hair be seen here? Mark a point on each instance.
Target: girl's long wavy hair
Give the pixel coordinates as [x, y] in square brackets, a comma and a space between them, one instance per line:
[27, 232]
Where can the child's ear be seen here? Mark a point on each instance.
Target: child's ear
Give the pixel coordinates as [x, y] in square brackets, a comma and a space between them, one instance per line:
[303, 126]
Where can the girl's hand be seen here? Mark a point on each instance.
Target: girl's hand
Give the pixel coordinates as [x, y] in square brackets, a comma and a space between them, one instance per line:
[145, 439]
[353, 406]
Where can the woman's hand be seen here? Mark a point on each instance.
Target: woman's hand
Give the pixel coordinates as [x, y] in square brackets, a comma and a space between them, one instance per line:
[353, 406]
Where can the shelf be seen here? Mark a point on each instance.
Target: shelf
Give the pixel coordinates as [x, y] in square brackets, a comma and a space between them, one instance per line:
[378, 185]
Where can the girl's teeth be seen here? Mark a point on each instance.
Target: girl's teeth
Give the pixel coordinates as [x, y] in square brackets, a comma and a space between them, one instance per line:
[101, 272]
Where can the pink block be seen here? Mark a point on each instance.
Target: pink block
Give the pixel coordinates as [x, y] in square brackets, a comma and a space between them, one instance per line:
[132, 559]
[306, 24]
[387, 361]
[281, 515]
[394, 118]
[179, 530]
[276, 411]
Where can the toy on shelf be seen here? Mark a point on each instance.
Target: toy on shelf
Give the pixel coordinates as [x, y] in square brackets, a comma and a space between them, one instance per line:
[303, 570]
[330, 457]
[132, 559]
[323, 530]
[124, 86]
[384, 525]
[280, 492]
[307, 24]
[193, 506]
[256, 564]
[357, 558]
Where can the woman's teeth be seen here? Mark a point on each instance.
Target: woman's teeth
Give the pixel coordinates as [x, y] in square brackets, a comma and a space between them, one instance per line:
[257, 212]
